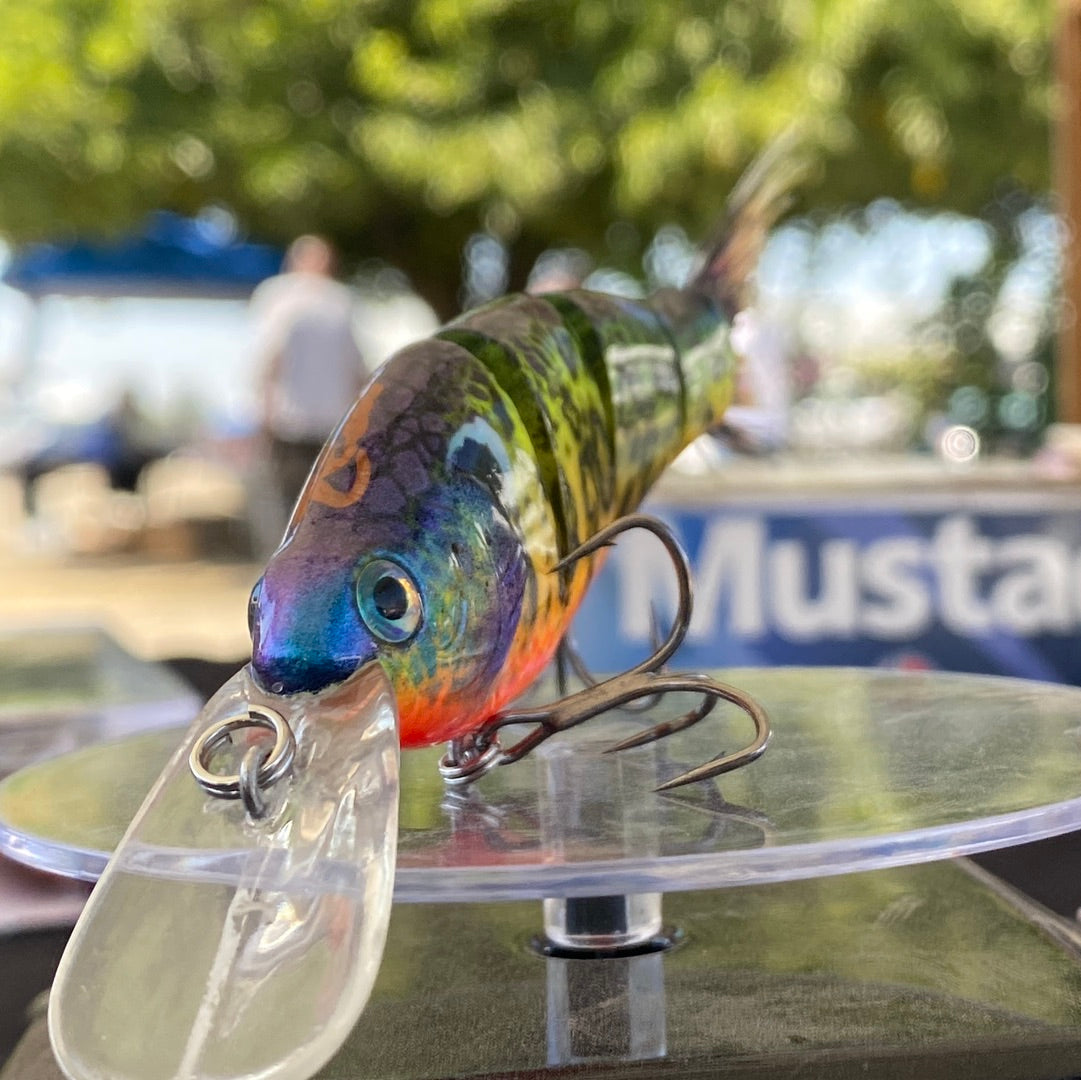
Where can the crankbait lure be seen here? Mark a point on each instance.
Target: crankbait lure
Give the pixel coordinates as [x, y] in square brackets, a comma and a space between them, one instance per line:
[448, 530]
[444, 540]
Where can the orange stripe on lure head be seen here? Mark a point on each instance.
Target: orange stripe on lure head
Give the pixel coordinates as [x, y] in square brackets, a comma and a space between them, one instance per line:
[343, 452]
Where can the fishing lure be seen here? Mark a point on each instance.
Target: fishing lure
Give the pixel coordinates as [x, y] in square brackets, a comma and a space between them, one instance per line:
[429, 573]
[452, 524]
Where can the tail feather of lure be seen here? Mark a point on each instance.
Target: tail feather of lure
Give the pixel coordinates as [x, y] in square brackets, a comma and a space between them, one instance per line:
[762, 195]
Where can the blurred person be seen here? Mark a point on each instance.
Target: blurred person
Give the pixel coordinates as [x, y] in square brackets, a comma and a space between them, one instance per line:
[757, 421]
[121, 440]
[310, 367]
[132, 442]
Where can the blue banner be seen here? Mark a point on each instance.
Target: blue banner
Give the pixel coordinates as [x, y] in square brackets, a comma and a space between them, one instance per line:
[989, 585]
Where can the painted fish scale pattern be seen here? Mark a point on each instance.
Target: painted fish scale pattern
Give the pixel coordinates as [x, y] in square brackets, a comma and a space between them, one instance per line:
[454, 393]
[639, 367]
[399, 434]
[390, 448]
[700, 331]
[528, 348]
[605, 382]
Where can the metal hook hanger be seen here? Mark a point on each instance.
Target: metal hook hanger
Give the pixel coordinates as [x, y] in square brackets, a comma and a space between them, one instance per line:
[474, 755]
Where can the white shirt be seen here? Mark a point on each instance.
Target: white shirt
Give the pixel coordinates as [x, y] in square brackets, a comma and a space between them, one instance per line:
[304, 335]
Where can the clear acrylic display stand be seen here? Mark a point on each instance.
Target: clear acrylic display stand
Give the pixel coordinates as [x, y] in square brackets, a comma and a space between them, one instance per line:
[63, 687]
[868, 770]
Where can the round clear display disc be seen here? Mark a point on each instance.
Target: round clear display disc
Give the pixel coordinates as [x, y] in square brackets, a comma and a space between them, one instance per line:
[866, 769]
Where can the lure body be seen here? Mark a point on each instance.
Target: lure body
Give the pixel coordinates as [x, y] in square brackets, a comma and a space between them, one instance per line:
[431, 531]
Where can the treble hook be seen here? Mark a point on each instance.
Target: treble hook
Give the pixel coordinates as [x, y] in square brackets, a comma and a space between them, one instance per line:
[475, 754]
[568, 657]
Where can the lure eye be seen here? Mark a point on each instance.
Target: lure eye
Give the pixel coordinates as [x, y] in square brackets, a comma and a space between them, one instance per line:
[389, 601]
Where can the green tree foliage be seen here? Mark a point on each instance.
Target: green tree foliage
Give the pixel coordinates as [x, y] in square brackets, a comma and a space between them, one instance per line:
[401, 128]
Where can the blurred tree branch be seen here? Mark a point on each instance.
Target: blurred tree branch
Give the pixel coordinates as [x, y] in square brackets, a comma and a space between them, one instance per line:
[398, 129]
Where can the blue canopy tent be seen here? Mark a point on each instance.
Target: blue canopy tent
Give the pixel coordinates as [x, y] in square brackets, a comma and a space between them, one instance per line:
[171, 256]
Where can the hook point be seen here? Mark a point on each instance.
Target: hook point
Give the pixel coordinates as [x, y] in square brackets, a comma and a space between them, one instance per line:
[641, 738]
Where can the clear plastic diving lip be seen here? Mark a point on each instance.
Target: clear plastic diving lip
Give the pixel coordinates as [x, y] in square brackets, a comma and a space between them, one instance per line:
[219, 944]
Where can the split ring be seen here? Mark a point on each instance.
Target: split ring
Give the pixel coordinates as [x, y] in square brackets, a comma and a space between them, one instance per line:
[276, 764]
